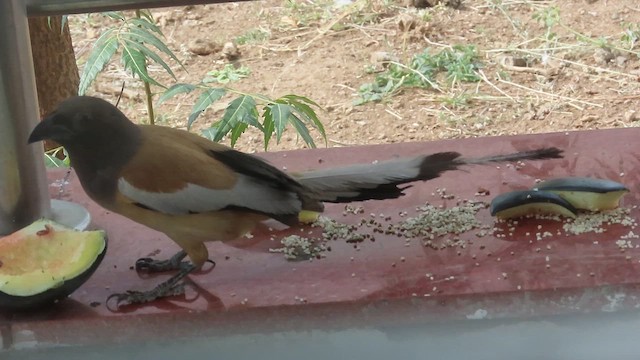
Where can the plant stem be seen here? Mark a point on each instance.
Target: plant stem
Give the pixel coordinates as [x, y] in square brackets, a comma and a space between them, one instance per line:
[147, 91]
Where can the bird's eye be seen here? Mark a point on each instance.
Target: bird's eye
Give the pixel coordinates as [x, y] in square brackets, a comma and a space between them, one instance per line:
[80, 121]
[55, 119]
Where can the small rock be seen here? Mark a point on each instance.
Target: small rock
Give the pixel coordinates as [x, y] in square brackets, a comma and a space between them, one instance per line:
[191, 23]
[421, 4]
[406, 22]
[603, 56]
[163, 18]
[194, 16]
[288, 21]
[91, 33]
[621, 60]
[202, 47]
[588, 118]
[630, 116]
[514, 61]
[380, 60]
[230, 50]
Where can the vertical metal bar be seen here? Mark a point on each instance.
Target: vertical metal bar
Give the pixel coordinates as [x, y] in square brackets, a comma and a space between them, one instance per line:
[23, 184]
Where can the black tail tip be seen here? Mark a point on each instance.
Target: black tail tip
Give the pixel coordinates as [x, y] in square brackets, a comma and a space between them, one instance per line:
[547, 153]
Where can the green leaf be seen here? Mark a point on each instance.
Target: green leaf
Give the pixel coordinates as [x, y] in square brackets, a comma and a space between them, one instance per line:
[51, 158]
[280, 114]
[150, 54]
[300, 107]
[252, 118]
[300, 99]
[63, 22]
[237, 131]
[116, 15]
[268, 125]
[302, 130]
[135, 61]
[208, 97]
[240, 111]
[146, 14]
[211, 132]
[51, 161]
[145, 36]
[102, 52]
[227, 74]
[174, 90]
[146, 24]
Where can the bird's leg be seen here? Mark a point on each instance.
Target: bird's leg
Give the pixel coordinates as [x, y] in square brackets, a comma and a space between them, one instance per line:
[173, 263]
[171, 287]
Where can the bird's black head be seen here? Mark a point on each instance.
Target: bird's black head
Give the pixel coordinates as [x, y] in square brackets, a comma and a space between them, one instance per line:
[83, 122]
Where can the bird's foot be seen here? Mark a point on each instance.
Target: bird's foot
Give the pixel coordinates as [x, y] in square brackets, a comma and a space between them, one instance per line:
[173, 286]
[174, 263]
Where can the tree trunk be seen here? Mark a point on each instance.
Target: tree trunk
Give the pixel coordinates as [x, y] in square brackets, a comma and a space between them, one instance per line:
[54, 61]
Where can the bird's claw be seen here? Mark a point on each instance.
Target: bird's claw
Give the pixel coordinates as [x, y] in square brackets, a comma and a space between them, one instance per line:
[173, 286]
[151, 265]
[144, 264]
[131, 297]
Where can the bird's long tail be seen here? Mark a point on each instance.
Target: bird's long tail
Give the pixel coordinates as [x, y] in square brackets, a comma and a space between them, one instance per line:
[384, 180]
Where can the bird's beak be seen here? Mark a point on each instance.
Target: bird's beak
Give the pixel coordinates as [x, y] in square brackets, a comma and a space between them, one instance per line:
[46, 130]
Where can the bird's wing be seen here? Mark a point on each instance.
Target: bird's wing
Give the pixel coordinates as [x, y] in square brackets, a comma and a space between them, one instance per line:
[176, 172]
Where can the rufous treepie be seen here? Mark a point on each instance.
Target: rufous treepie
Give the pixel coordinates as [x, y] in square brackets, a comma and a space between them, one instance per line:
[195, 190]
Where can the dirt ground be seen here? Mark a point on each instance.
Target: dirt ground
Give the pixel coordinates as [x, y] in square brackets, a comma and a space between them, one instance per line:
[581, 71]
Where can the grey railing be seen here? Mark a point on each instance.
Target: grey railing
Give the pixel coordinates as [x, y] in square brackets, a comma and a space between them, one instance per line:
[23, 183]
[60, 7]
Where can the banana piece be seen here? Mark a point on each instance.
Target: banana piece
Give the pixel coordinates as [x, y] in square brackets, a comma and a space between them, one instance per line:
[308, 217]
[586, 193]
[521, 203]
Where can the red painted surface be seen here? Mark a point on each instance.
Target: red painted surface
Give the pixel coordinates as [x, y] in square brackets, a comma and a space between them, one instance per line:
[252, 289]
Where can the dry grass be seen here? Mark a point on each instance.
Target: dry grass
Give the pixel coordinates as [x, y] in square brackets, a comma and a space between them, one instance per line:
[578, 72]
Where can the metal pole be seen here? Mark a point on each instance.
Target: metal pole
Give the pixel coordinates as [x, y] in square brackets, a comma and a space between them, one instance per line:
[23, 184]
